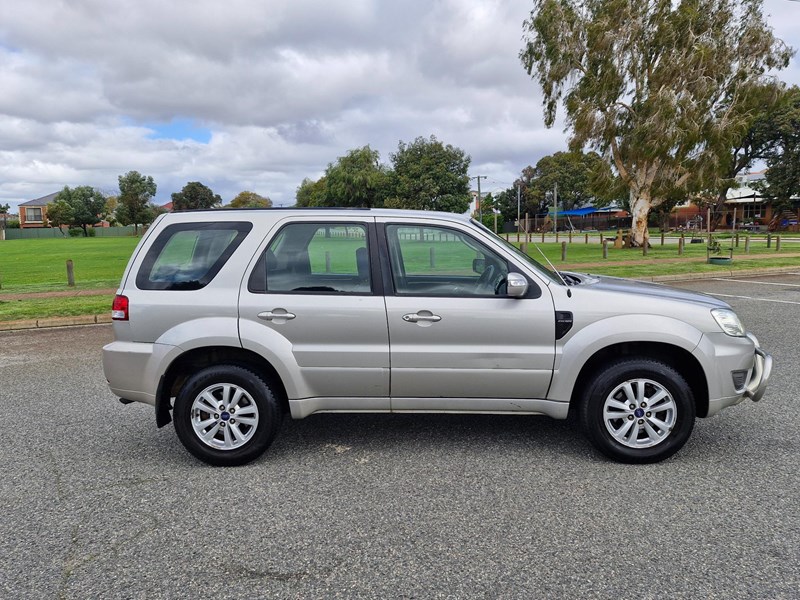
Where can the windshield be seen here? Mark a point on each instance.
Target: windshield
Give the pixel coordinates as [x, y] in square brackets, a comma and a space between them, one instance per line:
[536, 265]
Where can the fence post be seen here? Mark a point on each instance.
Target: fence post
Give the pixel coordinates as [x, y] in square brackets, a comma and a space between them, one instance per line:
[777, 243]
[605, 248]
[70, 274]
[681, 242]
[586, 239]
[327, 261]
[563, 251]
[747, 245]
[769, 240]
[737, 240]
[662, 238]
[433, 257]
[524, 247]
[570, 236]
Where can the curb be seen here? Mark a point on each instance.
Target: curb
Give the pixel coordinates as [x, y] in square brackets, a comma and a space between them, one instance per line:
[55, 322]
[719, 273]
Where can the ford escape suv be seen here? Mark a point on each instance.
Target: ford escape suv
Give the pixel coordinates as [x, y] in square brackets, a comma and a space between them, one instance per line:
[227, 320]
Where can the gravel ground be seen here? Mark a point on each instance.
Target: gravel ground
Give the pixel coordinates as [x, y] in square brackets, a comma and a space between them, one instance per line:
[98, 503]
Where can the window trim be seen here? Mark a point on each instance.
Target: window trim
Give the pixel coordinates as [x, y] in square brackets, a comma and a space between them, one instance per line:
[34, 220]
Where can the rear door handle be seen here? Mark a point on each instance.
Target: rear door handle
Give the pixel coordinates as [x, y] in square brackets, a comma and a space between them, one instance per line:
[417, 317]
[278, 313]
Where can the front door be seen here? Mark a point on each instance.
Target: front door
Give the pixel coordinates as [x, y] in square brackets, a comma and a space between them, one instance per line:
[456, 341]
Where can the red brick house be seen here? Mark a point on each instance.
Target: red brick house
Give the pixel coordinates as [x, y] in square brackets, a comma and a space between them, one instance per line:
[33, 213]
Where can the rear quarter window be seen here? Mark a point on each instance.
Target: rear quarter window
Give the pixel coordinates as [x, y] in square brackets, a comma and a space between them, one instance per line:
[187, 256]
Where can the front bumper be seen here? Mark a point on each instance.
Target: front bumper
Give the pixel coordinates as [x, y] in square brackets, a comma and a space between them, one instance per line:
[759, 369]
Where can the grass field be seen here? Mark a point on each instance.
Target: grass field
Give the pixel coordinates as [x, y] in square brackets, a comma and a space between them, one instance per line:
[39, 265]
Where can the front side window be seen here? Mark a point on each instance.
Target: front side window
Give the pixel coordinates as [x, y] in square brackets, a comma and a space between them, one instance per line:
[187, 256]
[33, 215]
[308, 258]
[437, 261]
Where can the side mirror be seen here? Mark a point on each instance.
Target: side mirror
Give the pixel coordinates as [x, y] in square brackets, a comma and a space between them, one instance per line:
[516, 285]
[478, 265]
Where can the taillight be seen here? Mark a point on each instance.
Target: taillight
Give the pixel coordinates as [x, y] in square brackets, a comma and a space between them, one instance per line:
[119, 310]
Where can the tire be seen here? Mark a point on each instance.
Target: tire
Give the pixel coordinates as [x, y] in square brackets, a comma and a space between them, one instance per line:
[226, 415]
[660, 422]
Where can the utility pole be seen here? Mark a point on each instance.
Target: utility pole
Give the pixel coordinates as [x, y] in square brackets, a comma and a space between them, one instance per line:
[480, 209]
[555, 208]
[519, 188]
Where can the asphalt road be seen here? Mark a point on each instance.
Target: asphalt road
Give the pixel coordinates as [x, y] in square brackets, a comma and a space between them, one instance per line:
[98, 503]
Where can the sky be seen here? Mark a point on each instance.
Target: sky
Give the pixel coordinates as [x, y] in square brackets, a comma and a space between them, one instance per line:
[257, 95]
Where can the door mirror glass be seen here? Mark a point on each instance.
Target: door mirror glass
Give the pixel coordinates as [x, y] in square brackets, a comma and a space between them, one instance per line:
[478, 265]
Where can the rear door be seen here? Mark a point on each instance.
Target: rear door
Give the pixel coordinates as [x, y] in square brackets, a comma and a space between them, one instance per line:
[456, 341]
[313, 305]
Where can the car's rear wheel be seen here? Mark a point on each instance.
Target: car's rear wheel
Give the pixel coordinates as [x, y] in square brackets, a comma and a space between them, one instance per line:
[638, 411]
[226, 415]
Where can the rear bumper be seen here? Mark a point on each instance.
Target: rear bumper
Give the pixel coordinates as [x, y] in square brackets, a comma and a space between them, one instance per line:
[134, 369]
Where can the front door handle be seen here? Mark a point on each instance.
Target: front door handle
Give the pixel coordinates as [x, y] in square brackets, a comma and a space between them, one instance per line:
[417, 317]
[278, 314]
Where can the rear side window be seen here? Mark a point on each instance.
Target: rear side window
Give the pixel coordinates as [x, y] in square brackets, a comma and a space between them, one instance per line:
[308, 258]
[187, 256]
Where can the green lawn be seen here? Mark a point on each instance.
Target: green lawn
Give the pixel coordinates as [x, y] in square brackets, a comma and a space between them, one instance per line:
[40, 265]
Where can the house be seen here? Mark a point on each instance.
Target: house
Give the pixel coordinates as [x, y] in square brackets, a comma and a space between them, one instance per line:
[746, 204]
[33, 213]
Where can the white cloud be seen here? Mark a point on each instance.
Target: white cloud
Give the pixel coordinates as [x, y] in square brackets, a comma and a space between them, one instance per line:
[284, 86]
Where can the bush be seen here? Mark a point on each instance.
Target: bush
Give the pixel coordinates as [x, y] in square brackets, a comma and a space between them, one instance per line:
[12, 224]
[75, 232]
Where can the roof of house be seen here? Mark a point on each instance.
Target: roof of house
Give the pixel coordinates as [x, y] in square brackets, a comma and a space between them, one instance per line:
[43, 201]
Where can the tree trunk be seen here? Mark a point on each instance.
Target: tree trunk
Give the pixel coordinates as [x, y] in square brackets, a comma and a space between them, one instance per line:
[640, 209]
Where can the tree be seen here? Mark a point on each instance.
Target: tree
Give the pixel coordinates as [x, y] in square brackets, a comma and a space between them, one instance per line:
[430, 176]
[783, 159]
[110, 210]
[250, 200]
[195, 195]
[77, 207]
[655, 85]
[574, 173]
[356, 179]
[311, 193]
[753, 141]
[59, 213]
[4, 208]
[135, 192]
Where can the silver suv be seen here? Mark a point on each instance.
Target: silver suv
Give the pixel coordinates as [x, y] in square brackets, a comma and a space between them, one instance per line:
[227, 320]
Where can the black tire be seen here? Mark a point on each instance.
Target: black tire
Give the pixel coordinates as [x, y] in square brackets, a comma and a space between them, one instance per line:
[256, 402]
[624, 436]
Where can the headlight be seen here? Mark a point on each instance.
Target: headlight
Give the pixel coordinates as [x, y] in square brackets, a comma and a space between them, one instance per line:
[728, 322]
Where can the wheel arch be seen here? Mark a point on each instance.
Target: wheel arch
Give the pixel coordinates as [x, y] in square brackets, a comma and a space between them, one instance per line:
[196, 359]
[674, 356]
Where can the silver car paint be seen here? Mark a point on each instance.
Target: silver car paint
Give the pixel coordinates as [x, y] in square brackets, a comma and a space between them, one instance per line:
[348, 370]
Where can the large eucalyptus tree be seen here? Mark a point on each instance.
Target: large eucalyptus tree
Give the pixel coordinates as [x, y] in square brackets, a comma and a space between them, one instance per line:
[659, 87]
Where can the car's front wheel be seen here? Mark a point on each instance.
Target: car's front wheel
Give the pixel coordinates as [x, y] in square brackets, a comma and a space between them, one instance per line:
[638, 411]
[226, 415]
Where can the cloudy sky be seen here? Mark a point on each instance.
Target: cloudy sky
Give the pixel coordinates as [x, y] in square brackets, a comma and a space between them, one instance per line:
[258, 94]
